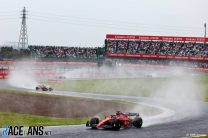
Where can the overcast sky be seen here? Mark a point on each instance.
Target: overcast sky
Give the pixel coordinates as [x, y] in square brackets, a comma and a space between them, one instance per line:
[86, 22]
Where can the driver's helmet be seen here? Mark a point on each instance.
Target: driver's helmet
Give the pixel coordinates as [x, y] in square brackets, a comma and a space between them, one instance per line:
[118, 112]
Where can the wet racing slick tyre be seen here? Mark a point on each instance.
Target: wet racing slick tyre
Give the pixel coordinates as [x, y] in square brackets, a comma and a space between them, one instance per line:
[137, 122]
[93, 122]
[116, 124]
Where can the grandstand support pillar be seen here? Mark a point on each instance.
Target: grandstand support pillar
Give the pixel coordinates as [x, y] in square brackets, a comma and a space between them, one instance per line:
[23, 38]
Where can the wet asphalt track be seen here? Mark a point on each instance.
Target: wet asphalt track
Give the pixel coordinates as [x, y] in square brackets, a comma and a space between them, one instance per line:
[172, 127]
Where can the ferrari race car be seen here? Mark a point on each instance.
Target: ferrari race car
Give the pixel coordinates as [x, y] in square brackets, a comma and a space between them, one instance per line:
[115, 122]
[43, 87]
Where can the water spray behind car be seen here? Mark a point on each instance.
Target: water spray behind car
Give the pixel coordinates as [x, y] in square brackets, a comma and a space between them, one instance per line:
[22, 76]
[180, 92]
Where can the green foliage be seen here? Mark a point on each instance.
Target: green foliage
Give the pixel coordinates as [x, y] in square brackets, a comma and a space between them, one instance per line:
[11, 53]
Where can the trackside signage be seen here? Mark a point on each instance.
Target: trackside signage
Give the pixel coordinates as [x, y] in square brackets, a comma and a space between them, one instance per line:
[155, 56]
[157, 38]
[8, 131]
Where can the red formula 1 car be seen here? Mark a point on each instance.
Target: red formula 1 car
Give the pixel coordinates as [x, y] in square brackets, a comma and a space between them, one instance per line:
[117, 121]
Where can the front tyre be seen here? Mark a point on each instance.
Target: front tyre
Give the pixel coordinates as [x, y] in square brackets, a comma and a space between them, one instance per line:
[93, 122]
[137, 122]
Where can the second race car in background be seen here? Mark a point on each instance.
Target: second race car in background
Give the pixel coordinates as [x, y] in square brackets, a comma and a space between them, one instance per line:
[43, 87]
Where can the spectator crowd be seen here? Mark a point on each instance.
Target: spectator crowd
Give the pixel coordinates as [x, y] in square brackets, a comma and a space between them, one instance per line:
[63, 52]
[157, 48]
[119, 47]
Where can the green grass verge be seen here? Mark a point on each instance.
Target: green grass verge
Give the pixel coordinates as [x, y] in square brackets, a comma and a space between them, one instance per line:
[137, 87]
[11, 90]
[14, 119]
[199, 137]
[110, 86]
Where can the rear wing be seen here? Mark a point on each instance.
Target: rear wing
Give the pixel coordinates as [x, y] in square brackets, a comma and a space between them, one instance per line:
[132, 114]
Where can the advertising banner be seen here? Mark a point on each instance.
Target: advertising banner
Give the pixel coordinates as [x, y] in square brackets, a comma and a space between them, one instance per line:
[157, 38]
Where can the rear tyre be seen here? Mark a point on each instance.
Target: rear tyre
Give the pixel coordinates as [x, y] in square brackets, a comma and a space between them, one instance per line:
[116, 124]
[36, 88]
[137, 122]
[93, 122]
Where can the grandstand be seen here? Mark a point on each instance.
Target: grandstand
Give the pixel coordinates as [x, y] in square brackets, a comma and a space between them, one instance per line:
[193, 48]
[162, 50]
